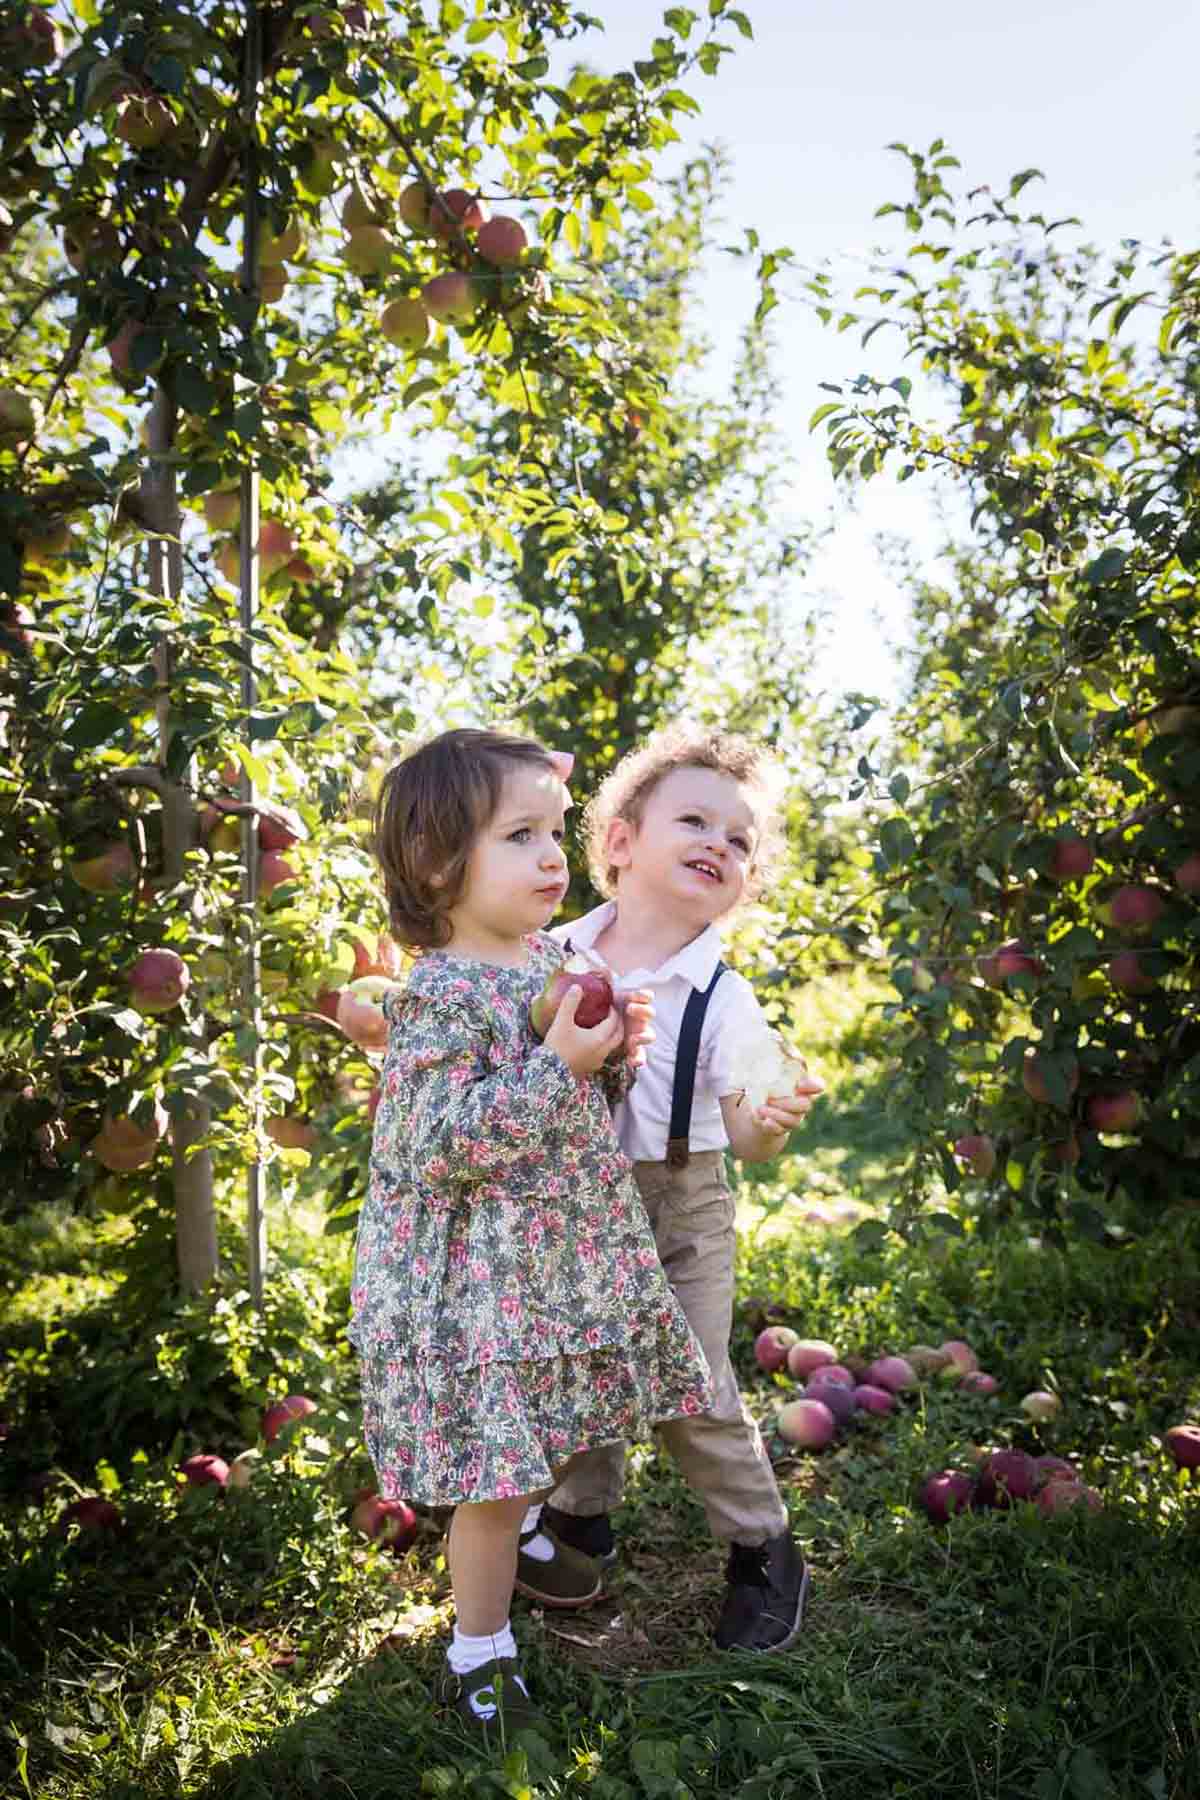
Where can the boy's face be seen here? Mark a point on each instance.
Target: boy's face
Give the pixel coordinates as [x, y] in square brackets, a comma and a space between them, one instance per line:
[694, 848]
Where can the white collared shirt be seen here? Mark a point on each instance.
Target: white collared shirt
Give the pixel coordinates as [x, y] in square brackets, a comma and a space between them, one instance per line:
[643, 1120]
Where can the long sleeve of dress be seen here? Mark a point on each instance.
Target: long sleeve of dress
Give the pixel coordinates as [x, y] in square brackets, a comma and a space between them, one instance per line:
[467, 1121]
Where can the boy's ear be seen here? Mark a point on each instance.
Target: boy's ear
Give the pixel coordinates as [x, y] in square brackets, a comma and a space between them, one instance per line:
[618, 843]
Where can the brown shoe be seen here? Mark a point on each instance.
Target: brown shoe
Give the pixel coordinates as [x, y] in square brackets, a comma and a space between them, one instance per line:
[567, 1579]
[497, 1684]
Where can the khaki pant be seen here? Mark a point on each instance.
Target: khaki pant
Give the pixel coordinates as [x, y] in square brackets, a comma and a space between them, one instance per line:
[720, 1454]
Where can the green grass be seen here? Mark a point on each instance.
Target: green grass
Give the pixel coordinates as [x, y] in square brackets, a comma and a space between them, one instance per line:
[248, 1645]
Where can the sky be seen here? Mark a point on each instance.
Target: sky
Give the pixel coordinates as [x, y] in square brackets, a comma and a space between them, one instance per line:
[1100, 96]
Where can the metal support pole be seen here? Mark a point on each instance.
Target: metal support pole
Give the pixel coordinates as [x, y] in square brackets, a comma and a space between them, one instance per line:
[256, 1221]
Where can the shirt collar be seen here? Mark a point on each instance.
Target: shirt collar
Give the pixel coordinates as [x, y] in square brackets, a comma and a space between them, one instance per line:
[696, 962]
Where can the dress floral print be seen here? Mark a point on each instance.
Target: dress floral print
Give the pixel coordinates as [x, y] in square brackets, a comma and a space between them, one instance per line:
[508, 1304]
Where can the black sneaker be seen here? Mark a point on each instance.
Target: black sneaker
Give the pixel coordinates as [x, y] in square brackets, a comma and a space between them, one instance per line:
[768, 1589]
[592, 1535]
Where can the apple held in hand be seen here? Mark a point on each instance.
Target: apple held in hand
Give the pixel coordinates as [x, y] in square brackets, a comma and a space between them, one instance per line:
[360, 1011]
[596, 1001]
[762, 1064]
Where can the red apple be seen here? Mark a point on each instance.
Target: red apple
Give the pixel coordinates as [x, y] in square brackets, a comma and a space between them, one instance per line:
[807, 1355]
[159, 979]
[276, 546]
[205, 1471]
[107, 872]
[894, 1373]
[959, 1355]
[1183, 1442]
[455, 211]
[871, 1399]
[595, 995]
[123, 1145]
[360, 1011]
[1071, 858]
[1063, 1496]
[1187, 875]
[976, 1381]
[1055, 1468]
[273, 871]
[1011, 958]
[283, 1412]
[945, 1494]
[1006, 1475]
[290, 1132]
[772, 1347]
[326, 1003]
[1136, 908]
[502, 241]
[279, 827]
[1034, 1082]
[833, 1395]
[34, 40]
[390, 1523]
[1126, 973]
[926, 1360]
[1114, 1112]
[451, 297]
[807, 1423]
[90, 1513]
[978, 1152]
[837, 1374]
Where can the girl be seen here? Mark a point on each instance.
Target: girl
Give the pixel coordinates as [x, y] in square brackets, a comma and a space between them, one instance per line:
[508, 1305]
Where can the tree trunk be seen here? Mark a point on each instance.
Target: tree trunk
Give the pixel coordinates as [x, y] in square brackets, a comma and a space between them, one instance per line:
[195, 1214]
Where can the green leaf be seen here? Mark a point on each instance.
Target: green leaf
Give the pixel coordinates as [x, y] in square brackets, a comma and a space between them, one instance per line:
[1022, 179]
[96, 723]
[899, 788]
[897, 844]
[823, 412]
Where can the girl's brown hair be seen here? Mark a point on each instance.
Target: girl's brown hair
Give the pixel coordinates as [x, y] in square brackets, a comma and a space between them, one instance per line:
[624, 792]
[431, 809]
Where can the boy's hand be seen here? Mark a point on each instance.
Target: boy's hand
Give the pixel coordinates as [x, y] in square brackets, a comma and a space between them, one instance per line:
[637, 1008]
[583, 1051]
[783, 1112]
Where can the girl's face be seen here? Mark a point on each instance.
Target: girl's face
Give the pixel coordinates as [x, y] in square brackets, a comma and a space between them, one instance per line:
[516, 874]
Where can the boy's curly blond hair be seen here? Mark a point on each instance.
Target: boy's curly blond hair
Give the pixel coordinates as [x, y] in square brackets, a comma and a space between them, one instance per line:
[625, 790]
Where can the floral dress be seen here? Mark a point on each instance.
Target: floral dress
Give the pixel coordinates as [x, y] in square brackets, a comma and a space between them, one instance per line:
[509, 1307]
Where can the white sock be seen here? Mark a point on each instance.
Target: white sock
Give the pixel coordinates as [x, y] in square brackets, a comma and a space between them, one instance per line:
[468, 1653]
[539, 1548]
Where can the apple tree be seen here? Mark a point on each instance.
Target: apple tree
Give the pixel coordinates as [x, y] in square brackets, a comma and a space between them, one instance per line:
[238, 242]
[1037, 866]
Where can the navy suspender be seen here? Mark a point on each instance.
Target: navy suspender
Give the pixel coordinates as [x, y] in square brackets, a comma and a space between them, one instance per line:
[685, 1071]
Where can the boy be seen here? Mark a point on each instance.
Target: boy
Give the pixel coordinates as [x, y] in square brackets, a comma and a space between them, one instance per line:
[678, 835]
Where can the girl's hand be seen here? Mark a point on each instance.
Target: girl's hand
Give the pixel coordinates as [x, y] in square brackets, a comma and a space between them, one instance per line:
[781, 1113]
[583, 1051]
[637, 1008]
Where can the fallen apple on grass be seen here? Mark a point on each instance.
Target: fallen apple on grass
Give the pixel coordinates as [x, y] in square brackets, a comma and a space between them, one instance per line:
[959, 1355]
[90, 1513]
[1041, 1406]
[944, 1494]
[1006, 1475]
[1183, 1443]
[1064, 1496]
[927, 1360]
[205, 1470]
[807, 1423]
[871, 1399]
[285, 1412]
[807, 1355]
[836, 1399]
[390, 1523]
[894, 1373]
[773, 1347]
